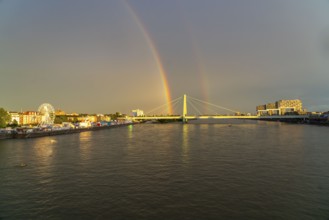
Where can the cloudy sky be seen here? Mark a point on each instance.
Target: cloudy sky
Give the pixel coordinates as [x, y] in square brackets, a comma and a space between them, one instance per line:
[104, 56]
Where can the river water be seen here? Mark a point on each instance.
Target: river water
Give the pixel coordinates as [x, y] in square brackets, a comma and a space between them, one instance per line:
[242, 170]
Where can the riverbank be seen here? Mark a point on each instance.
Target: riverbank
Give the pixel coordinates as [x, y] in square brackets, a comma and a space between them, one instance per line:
[37, 132]
[310, 121]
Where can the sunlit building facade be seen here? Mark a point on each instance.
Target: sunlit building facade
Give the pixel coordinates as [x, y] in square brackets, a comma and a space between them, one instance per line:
[281, 107]
[59, 112]
[30, 117]
[137, 112]
[101, 117]
[15, 117]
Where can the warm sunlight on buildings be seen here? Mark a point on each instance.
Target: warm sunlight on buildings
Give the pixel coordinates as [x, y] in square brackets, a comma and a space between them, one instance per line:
[59, 112]
[281, 107]
[137, 112]
[30, 117]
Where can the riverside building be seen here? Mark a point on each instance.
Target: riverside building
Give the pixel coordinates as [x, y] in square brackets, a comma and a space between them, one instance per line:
[281, 107]
[137, 112]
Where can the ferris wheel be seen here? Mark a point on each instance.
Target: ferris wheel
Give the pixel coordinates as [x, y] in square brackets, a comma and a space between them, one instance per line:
[47, 113]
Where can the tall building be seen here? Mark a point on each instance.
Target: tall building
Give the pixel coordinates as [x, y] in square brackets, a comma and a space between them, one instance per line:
[137, 112]
[281, 107]
[287, 106]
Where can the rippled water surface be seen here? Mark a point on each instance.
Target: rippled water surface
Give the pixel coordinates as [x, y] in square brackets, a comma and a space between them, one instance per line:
[265, 170]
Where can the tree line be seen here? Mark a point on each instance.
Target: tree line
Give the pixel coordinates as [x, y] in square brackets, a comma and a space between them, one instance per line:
[4, 118]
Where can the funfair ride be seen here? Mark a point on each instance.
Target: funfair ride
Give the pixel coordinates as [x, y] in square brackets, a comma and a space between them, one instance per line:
[47, 113]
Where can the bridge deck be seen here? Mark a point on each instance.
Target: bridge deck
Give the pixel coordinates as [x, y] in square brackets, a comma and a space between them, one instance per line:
[221, 117]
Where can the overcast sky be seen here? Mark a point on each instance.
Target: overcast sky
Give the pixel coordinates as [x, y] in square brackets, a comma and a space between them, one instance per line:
[94, 56]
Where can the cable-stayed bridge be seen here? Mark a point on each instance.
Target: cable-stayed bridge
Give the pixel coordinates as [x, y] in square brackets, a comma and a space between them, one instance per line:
[188, 108]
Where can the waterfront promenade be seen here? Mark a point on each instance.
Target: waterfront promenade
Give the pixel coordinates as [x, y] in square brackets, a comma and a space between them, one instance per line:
[38, 132]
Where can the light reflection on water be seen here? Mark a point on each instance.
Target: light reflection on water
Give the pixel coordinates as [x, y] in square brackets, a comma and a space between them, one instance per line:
[43, 148]
[85, 144]
[185, 143]
[130, 131]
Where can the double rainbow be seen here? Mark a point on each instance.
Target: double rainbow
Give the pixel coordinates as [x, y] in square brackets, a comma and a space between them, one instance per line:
[155, 54]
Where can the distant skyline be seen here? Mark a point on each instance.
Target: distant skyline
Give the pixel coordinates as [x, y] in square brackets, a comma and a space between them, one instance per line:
[108, 56]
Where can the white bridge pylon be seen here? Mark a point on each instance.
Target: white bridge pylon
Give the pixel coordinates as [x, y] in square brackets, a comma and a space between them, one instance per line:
[182, 114]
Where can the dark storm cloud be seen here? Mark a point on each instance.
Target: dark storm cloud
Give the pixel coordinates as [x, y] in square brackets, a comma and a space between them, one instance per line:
[94, 57]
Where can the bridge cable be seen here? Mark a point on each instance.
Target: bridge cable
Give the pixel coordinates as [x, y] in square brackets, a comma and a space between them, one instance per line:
[201, 105]
[208, 103]
[164, 105]
[173, 104]
[193, 106]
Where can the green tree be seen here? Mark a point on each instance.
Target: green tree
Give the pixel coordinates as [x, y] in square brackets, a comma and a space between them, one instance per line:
[59, 119]
[115, 116]
[4, 118]
[14, 124]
